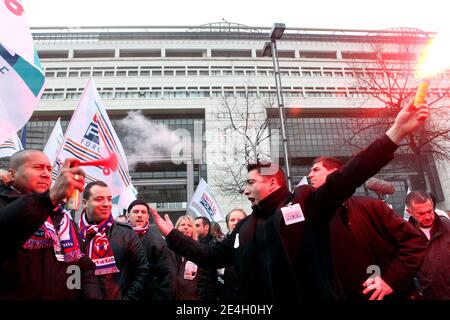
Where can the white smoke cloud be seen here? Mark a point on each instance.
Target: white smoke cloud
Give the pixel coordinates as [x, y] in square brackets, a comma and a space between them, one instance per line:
[147, 141]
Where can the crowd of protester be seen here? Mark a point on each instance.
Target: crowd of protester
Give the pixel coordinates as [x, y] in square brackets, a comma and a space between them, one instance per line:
[319, 242]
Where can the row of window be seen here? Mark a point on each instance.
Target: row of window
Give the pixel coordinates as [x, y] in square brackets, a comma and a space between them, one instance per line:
[85, 72]
[218, 92]
[223, 53]
[169, 205]
[214, 94]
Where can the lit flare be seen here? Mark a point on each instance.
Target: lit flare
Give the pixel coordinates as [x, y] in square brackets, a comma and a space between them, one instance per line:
[433, 60]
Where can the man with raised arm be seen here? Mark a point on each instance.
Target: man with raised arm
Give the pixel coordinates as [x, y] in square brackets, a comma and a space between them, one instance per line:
[282, 250]
[40, 256]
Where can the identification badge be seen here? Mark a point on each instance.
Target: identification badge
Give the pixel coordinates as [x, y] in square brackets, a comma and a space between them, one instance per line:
[292, 214]
[58, 251]
[236, 241]
[190, 270]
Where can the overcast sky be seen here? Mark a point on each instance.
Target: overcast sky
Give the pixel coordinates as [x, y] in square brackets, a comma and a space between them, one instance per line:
[430, 15]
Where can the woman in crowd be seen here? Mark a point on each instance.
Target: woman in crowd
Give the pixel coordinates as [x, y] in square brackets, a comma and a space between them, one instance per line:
[216, 231]
[230, 290]
[185, 276]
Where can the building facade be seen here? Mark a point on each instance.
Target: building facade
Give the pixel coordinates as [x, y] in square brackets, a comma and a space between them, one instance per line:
[198, 79]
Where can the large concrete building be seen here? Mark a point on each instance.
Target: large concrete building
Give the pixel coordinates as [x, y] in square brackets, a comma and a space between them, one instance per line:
[185, 77]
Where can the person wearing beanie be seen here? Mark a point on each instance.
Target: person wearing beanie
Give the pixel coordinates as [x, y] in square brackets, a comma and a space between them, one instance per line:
[139, 218]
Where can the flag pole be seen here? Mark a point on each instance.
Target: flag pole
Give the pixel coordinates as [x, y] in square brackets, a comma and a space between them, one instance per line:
[23, 135]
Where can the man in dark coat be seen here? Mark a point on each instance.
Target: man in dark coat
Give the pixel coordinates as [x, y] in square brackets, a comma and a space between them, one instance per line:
[121, 263]
[153, 243]
[208, 284]
[282, 250]
[434, 275]
[40, 256]
[368, 237]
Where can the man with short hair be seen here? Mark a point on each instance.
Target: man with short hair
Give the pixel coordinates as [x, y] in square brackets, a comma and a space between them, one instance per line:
[154, 244]
[434, 275]
[282, 250]
[121, 263]
[40, 256]
[439, 212]
[377, 237]
[208, 284]
[202, 227]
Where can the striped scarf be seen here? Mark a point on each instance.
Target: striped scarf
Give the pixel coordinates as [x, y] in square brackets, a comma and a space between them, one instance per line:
[141, 231]
[63, 238]
[99, 248]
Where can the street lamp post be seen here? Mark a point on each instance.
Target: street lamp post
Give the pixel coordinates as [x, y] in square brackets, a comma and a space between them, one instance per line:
[270, 49]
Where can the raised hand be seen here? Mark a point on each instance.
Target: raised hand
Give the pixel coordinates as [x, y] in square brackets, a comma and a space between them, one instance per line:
[164, 225]
[408, 119]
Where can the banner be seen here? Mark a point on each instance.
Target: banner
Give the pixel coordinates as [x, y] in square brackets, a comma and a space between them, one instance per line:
[204, 203]
[21, 77]
[10, 146]
[91, 136]
[54, 142]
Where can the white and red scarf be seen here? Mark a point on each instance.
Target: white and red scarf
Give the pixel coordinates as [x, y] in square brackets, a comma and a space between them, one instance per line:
[63, 238]
[141, 231]
[99, 248]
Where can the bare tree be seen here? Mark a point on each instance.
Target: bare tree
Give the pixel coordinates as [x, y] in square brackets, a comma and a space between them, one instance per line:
[246, 140]
[386, 74]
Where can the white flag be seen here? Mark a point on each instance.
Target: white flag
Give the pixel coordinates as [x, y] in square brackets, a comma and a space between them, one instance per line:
[21, 77]
[91, 136]
[303, 181]
[54, 142]
[204, 203]
[10, 146]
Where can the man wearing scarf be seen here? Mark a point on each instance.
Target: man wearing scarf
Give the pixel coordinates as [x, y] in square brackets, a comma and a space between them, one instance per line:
[153, 243]
[40, 242]
[121, 263]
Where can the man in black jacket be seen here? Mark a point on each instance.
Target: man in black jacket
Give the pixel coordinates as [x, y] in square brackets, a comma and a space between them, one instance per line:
[40, 256]
[153, 243]
[208, 284]
[434, 275]
[368, 237]
[282, 250]
[203, 229]
[120, 259]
